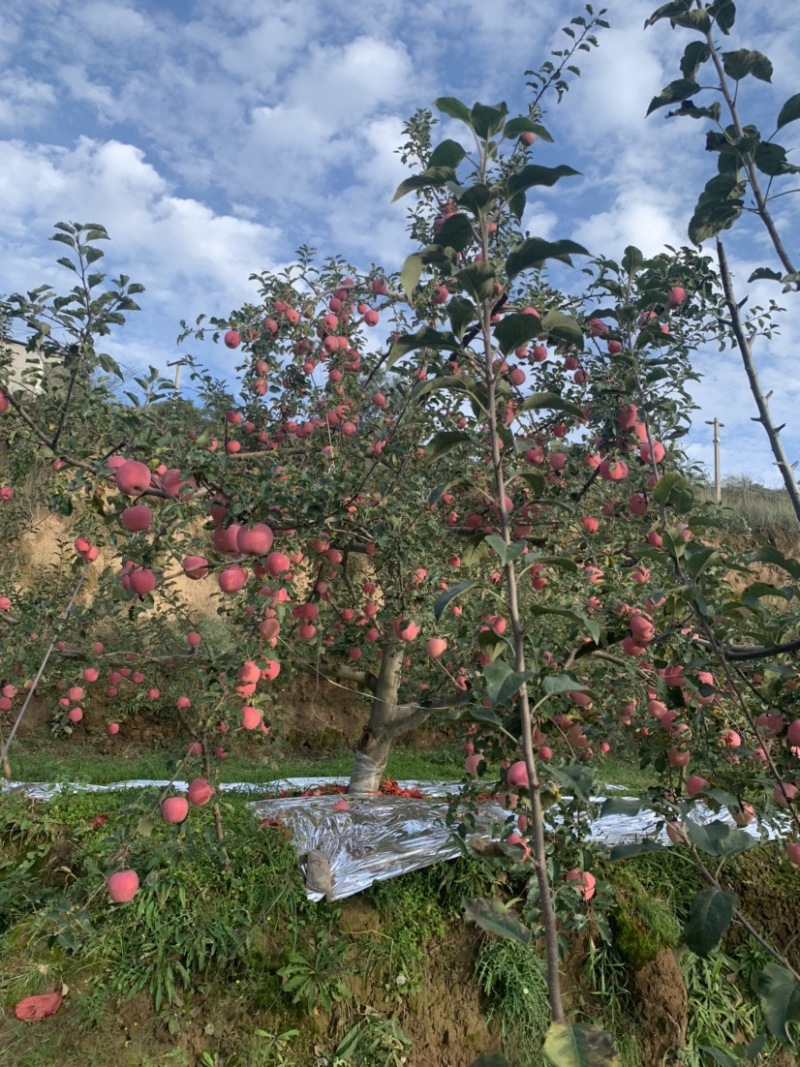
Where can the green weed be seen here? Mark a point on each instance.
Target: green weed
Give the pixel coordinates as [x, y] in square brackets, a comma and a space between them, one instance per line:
[512, 977]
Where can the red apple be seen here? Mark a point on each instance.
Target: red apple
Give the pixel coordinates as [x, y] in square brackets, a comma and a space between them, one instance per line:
[174, 809]
[123, 886]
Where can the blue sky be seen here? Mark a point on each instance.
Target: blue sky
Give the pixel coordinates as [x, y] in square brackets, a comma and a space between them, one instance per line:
[214, 137]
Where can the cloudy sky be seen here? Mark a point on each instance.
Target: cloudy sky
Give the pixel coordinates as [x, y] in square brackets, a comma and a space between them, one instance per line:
[214, 137]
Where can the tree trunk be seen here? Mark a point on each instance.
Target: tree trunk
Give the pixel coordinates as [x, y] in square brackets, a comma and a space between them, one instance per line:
[387, 721]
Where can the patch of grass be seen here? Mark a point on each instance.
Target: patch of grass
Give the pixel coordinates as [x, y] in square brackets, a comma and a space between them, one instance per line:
[750, 508]
[618, 770]
[43, 764]
[411, 918]
[512, 977]
[644, 919]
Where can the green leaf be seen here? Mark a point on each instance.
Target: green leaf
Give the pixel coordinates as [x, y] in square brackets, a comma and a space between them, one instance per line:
[724, 12]
[553, 684]
[515, 330]
[667, 484]
[461, 312]
[486, 119]
[474, 550]
[534, 252]
[790, 112]
[456, 232]
[692, 111]
[681, 89]
[446, 383]
[766, 274]
[502, 681]
[427, 337]
[744, 61]
[478, 279]
[634, 848]
[717, 838]
[506, 553]
[475, 197]
[723, 1058]
[668, 11]
[447, 154]
[718, 207]
[572, 1045]
[492, 644]
[710, 916]
[449, 595]
[591, 625]
[429, 178]
[771, 159]
[768, 554]
[534, 174]
[693, 20]
[550, 402]
[695, 54]
[562, 327]
[449, 105]
[514, 127]
[698, 558]
[410, 274]
[632, 259]
[755, 1046]
[495, 918]
[445, 441]
[621, 806]
[780, 1000]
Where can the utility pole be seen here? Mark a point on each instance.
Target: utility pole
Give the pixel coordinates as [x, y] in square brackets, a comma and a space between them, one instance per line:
[177, 364]
[717, 479]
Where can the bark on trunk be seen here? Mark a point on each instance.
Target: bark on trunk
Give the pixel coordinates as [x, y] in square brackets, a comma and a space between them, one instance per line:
[375, 744]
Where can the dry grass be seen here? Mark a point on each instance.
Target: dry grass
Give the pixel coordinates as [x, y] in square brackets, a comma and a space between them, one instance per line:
[753, 508]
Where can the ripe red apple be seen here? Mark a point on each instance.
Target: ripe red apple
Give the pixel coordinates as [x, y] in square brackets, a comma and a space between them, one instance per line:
[271, 671]
[137, 518]
[200, 792]
[142, 581]
[112, 729]
[278, 563]
[193, 639]
[75, 715]
[583, 880]
[518, 774]
[527, 137]
[405, 629]
[793, 853]
[123, 886]
[195, 567]
[132, 477]
[251, 717]
[695, 784]
[232, 339]
[254, 540]
[436, 646]
[174, 809]
[232, 578]
[676, 296]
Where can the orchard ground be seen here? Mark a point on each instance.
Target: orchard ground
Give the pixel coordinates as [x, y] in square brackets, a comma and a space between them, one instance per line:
[236, 969]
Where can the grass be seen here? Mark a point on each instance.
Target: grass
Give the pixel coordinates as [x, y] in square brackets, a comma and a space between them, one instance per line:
[750, 507]
[51, 762]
